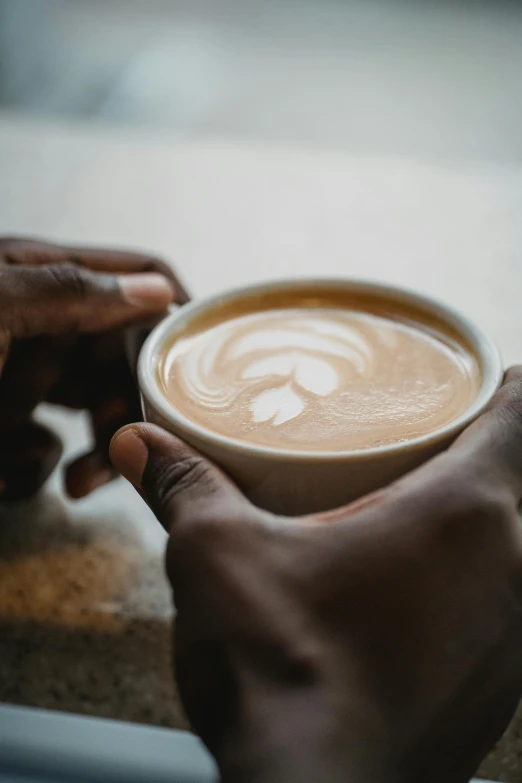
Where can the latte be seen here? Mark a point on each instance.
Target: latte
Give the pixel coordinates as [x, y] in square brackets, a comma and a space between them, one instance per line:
[318, 376]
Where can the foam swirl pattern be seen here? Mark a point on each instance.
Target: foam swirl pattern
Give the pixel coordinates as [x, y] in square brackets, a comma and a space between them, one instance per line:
[322, 379]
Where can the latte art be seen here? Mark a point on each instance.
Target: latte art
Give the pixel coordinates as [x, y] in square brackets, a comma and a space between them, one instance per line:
[318, 378]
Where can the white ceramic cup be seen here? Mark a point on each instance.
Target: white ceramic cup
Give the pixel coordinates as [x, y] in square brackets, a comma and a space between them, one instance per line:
[298, 482]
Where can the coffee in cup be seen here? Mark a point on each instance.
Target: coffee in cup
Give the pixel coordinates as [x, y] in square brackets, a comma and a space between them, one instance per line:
[322, 377]
[337, 386]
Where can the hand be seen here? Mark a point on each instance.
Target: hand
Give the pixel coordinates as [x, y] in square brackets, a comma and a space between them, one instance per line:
[62, 317]
[378, 642]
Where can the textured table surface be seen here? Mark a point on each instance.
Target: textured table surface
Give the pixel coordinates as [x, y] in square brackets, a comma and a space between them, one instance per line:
[84, 607]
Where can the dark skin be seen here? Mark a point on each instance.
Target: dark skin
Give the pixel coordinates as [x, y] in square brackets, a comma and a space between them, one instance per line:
[378, 643]
[65, 316]
[381, 642]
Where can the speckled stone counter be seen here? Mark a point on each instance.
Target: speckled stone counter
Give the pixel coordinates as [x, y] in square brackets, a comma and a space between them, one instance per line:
[84, 606]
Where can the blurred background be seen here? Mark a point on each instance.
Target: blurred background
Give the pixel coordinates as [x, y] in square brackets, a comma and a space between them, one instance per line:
[195, 129]
[430, 79]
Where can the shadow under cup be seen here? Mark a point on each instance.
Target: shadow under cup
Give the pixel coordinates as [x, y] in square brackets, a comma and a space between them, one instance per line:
[295, 482]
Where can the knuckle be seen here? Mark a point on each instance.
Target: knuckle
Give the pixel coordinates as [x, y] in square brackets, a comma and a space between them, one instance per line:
[8, 286]
[195, 539]
[69, 277]
[508, 402]
[199, 545]
[488, 507]
[486, 500]
[8, 248]
[176, 477]
[24, 251]
[513, 373]
[474, 508]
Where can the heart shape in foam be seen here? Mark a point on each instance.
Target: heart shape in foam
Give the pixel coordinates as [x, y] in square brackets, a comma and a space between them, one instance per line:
[284, 403]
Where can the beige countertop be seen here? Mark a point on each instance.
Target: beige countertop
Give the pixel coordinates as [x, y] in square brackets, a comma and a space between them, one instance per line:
[84, 606]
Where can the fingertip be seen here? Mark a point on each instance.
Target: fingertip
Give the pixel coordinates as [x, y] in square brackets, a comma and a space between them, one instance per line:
[150, 290]
[129, 453]
[86, 474]
[152, 435]
[512, 377]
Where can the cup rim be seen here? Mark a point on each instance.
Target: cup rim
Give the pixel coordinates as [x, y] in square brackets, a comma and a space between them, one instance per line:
[487, 352]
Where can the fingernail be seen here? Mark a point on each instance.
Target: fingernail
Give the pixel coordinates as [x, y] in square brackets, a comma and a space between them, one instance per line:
[151, 290]
[129, 456]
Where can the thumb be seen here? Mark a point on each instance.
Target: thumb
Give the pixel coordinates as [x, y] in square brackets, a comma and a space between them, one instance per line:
[58, 298]
[180, 486]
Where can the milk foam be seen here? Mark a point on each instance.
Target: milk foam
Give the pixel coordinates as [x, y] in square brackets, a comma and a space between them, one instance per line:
[318, 378]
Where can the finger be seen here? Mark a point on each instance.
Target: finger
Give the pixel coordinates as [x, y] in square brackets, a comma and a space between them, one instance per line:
[180, 486]
[82, 373]
[32, 368]
[113, 401]
[125, 263]
[134, 339]
[93, 470]
[63, 297]
[88, 473]
[28, 455]
[33, 253]
[493, 444]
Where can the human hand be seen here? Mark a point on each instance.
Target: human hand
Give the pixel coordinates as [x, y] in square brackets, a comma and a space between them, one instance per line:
[380, 642]
[63, 315]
